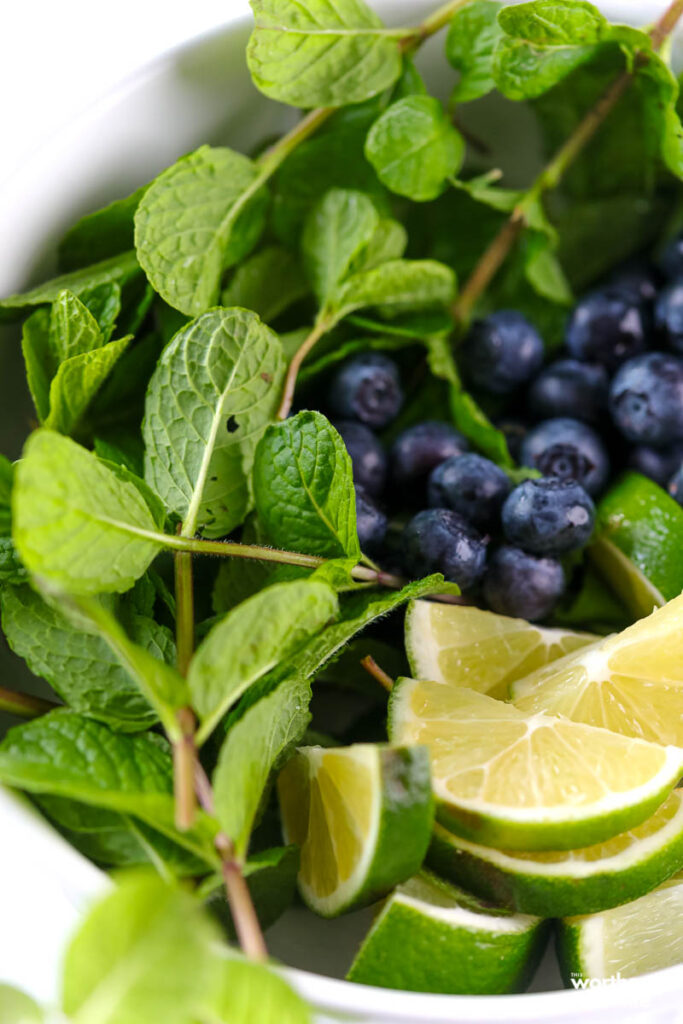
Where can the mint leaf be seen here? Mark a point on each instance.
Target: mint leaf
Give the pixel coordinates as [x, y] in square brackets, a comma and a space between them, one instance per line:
[277, 621]
[40, 360]
[388, 242]
[17, 1008]
[249, 992]
[145, 952]
[11, 569]
[73, 328]
[252, 749]
[119, 269]
[472, 37]
[398, 286]
[199, 217]
[76, 523]
[100, 235]
[321, 53]
[76, 383]
[268, 283]
[212, 393]
[337, 229]
[104, 302]
[414, 148]
[303, 487]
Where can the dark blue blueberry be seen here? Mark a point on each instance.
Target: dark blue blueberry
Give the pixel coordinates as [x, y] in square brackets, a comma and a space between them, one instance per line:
[672, 258]
[438, 540]
[646, 399]
[419, 449]
[548, 516]
[638, 278]
[569, 450]
[522, 585]
[669, 315]
[371, 522]
[471, 485]
[569, 388]
[675, 487]
[367, 388]
[656, 463]
[502, 352]
[607, 327]
[367, 455]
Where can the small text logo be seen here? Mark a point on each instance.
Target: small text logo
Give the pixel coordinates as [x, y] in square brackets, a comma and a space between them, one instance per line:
[580, 983]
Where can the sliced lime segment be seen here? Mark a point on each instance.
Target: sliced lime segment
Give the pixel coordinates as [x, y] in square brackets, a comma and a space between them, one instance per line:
[639, 543]
[362, 818]
[432, 937]
[528, 782]
[631, 683]
[636, 938]
[487, 652]
[564, 883]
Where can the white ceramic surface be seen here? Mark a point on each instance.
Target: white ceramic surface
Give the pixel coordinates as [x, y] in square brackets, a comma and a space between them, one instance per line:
[195, 94]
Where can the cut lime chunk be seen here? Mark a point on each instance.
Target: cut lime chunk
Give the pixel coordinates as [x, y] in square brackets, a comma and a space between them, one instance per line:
[636, 938]
[559, 884]
[529, 782]
[362, 817]
[631, 682]
[470, 647]
[639, 543]
[432, 937]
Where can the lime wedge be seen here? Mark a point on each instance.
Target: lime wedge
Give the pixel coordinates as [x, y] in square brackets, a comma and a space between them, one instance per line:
[528, 782]
[630, 940]
[639, 543]
[568, 882]
[469, 647]
[432, 937]
[631, 683]
[362, 817]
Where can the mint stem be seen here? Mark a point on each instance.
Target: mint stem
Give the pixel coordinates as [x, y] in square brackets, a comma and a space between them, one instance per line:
[321, 326]
[184, 749]
[433, 23]
[552, 174]
[23, 705]
[373, 669]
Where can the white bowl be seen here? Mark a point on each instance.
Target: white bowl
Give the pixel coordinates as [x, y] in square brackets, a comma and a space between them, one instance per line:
[201, 92]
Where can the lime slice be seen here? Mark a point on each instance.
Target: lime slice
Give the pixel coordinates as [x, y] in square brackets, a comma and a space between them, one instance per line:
[470, 647]
[432, 937]
[631, 682]
[571, 882]
[633, 939]
[362, 818]
[639, 546]
[528, 782]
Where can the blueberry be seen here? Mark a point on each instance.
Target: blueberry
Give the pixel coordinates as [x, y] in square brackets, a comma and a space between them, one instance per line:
[569, 450]
[502, 352]
[637, 278]
[471, 485]
[607, 327]
[669, 315]
[368, 389]
[438, 540]
[368, 457]
[419, 449]
[675, 487]
[548, 516]
[522, 585]
[656, 463]
[646, 399]
[569, 388]
[672, 258]
[371, 522]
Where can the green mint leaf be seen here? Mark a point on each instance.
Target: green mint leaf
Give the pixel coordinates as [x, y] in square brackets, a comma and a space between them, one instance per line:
[254, 746]
[76, 383]
[271, 878]
[127, 450]
[76, 522]
[410, 83]
[472, 37]
[398, 286]
[321, 53]
[104, 302]
[199, 217]
[388, 242]
[100, 235]
[117, 269]
[73, 328]
[482, 190]
[250, 992]
[212, 393]
[337, 229]
[658, 90]
[303, 487]
[414, 148]
[144, 953]
[543, 269]
[17, 1008]
[268, 283]
[278, 620]
[40, 360]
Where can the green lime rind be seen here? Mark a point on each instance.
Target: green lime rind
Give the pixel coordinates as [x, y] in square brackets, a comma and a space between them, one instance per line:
[401, 831]
[432, 937]
[638, 520]
[627, 941]
[556, 886]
